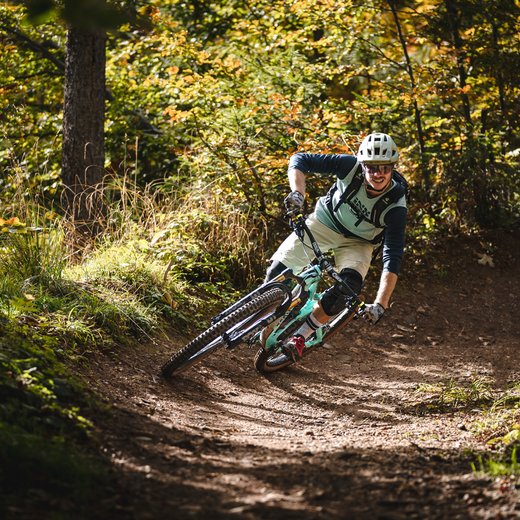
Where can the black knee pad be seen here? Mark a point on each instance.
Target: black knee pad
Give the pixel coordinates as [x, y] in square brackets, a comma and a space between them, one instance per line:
[335, 298]
[274, 270]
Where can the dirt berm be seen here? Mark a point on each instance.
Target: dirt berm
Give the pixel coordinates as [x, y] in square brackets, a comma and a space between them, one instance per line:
[341, 435]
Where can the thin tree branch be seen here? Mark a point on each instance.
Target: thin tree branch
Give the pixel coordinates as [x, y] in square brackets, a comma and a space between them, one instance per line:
[41, 49]
[35, 46]
[417, 112]
[381, 53]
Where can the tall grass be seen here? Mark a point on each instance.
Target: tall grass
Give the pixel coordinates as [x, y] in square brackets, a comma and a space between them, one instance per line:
[208, 239]
[496, 467]
[196, 229]
[34, 256]
[152, 250]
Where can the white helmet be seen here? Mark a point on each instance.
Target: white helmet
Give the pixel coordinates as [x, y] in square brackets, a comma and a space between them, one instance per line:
[378, 148]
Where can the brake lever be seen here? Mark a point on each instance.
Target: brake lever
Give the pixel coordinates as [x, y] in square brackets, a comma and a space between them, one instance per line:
[296, 218]
[294, 214]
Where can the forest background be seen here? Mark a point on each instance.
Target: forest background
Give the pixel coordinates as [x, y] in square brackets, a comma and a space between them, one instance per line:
[202, 105]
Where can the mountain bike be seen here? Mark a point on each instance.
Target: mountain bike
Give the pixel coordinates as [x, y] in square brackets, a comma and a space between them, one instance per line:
[269, 315]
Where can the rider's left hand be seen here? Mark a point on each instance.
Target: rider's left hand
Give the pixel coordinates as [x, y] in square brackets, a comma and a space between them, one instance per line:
[373, 312]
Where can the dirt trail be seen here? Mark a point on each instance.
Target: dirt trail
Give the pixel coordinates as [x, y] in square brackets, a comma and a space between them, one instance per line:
[336, 436]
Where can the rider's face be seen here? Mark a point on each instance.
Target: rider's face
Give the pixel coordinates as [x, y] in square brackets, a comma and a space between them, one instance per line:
[378, 176]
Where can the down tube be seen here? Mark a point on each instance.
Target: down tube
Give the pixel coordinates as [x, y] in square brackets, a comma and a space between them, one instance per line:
[304, 312]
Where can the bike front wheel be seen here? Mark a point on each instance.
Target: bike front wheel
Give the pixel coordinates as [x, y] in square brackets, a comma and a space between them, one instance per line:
[212, 339]
[267, 362]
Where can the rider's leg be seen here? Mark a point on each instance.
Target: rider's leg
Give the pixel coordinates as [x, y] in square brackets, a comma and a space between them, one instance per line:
[274, 270]
[292, 253]
[353, 259]
[334, 300]
[296, 255]
[351, 253]
[332, 303]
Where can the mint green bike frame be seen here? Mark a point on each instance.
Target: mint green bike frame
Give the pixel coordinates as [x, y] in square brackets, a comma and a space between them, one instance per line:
[306, 291]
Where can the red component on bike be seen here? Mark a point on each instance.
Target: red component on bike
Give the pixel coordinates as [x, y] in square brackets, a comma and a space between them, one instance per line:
[295, 347]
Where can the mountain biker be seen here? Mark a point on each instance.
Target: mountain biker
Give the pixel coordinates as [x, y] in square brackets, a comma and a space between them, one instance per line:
[364, 209]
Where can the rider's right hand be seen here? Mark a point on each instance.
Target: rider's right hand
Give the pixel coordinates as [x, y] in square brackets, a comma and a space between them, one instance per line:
[294, 200]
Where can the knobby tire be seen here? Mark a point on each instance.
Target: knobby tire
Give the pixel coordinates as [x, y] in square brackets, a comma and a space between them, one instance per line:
[195, 351]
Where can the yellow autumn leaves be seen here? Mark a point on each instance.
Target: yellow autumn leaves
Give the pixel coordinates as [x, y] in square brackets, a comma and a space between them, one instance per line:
[13, 221]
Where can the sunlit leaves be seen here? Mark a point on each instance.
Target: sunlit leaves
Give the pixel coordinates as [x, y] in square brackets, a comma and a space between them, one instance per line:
[228, 90]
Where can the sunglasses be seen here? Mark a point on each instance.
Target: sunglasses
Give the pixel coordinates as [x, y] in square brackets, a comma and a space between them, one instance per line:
[378, 168]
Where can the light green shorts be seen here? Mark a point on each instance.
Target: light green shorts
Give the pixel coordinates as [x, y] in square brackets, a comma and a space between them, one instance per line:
[352, 253]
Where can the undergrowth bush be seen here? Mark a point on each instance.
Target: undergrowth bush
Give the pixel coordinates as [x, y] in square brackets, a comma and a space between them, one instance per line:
[209, 240]
[44, 434]
[161, 260]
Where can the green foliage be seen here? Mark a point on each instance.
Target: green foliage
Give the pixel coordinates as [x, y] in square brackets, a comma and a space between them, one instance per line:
[143, 270]
[55, 305]
[31, 61]
[43, 430]
[118, 292]
[33, 380]
[497, 423]
[209, 241]
[505, 465]
[36, 470]
[220, 94]
[450, 395]
[224, 92]
[35, 256]
[64, 309]
[500, 422]
[87, 14]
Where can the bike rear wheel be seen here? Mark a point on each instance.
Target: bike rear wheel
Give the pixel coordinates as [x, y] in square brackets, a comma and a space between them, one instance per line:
[212, 339]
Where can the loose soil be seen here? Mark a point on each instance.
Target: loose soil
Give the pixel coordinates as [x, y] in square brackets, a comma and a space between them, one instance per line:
[340, 435]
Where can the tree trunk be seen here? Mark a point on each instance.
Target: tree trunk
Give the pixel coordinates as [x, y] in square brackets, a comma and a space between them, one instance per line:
[417, 111]
[83, 128]
[454, 21]
[498, 73]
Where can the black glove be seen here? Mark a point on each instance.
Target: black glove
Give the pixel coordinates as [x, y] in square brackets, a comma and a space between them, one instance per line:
[373, 312]
[294, 200]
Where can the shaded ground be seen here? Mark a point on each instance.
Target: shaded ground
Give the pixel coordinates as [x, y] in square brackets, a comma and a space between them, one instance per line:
[335, 437]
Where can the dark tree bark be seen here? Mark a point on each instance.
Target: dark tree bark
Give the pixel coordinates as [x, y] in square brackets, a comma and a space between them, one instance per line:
[417, 111]
[83, 128]
[498, 71]
[454, 21]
